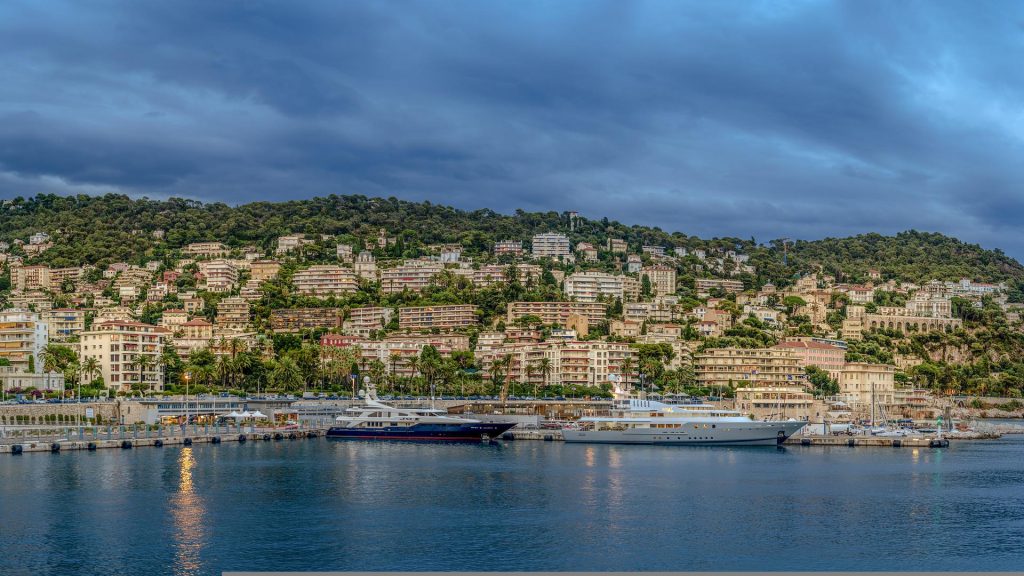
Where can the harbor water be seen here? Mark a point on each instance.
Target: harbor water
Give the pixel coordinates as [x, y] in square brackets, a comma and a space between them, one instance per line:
[323, 504]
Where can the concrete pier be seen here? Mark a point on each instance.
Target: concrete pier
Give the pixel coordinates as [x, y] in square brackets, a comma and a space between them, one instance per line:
[850, 441]
[126, 443]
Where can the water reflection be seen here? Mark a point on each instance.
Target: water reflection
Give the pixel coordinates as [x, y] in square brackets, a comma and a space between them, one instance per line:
[187, 512]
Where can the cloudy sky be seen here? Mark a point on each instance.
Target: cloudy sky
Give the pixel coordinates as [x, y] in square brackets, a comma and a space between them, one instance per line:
[765, 119]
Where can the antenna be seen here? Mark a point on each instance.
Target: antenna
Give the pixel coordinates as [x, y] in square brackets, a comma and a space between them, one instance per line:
[785, 250]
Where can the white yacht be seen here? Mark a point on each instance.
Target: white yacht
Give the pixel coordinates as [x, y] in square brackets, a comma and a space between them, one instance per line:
[635, 420]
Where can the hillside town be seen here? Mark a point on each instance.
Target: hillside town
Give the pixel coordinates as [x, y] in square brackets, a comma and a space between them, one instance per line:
[569, 318]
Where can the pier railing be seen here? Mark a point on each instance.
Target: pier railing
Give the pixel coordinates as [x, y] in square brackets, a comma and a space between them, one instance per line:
[18, 434]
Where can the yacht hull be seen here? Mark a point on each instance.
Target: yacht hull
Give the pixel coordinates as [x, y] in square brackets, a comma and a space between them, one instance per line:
[425, 432]
[745, 434]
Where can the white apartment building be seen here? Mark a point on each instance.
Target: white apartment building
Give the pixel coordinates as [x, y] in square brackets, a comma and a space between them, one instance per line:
[326, 280]
[117, 345]
[23, 335]
[550, 245]
[591, 286]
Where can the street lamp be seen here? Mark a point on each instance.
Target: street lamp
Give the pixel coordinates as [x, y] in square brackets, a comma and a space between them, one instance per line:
[187, 376]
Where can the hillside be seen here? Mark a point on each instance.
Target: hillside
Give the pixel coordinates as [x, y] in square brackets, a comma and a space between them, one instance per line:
[105, 229]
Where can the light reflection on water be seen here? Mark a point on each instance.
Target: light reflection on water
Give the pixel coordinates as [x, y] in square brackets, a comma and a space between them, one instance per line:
[519, 506]
[187, 512]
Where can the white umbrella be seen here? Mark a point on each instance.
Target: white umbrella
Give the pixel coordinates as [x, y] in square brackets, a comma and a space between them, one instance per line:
[258, 414]
[232, 414]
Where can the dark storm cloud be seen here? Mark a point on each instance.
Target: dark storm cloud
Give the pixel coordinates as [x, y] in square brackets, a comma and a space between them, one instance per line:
[762, 119]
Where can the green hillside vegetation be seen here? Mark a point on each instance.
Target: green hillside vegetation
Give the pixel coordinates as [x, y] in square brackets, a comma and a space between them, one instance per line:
[105, 229]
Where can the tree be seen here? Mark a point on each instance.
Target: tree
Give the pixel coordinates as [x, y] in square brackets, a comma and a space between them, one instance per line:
[823, 384]
[285, 374]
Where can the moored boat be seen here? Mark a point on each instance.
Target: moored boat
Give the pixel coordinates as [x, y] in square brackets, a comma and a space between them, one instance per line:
[378, 421]
[635, 420]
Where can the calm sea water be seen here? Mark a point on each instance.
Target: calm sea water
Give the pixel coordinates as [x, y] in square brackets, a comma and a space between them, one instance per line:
[354, 505]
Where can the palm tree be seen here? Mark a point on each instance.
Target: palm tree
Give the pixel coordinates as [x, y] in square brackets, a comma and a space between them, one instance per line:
[142, 363]
[626, 367]
[286, 374]
[544, 366]
[90, 368]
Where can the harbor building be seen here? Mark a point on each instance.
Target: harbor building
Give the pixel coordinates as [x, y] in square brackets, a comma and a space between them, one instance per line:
[775, 403]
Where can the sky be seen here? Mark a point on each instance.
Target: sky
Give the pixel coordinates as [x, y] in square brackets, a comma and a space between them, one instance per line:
[762, 119]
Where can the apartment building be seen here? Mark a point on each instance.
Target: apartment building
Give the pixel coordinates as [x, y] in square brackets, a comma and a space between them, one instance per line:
[634, 263]
[495, 273]
[31, 278]
[263, 270]
[571, 363]
[366, 266]
[195, 335]
[291, 243]
[233, 314]
[128, 353]
[58, 276]
[829, 358]
[295, 319]
[587, 251]
[363, 321]
[861, 384]
[220, 275]
[442, 317]
[617, 246]
[722, 367]
[207, 249]
[172, 319]
[593, 286]
[326, 280]
[395, 352]
[663, 279]
[413, 275]
[64, 323]
[704, 286]
[775, 403]
[558, 312]
[23, 335]
[648, 311]
[251, 291]
[511, 247]
[656, 251]
[550, 245]
[344, 252]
